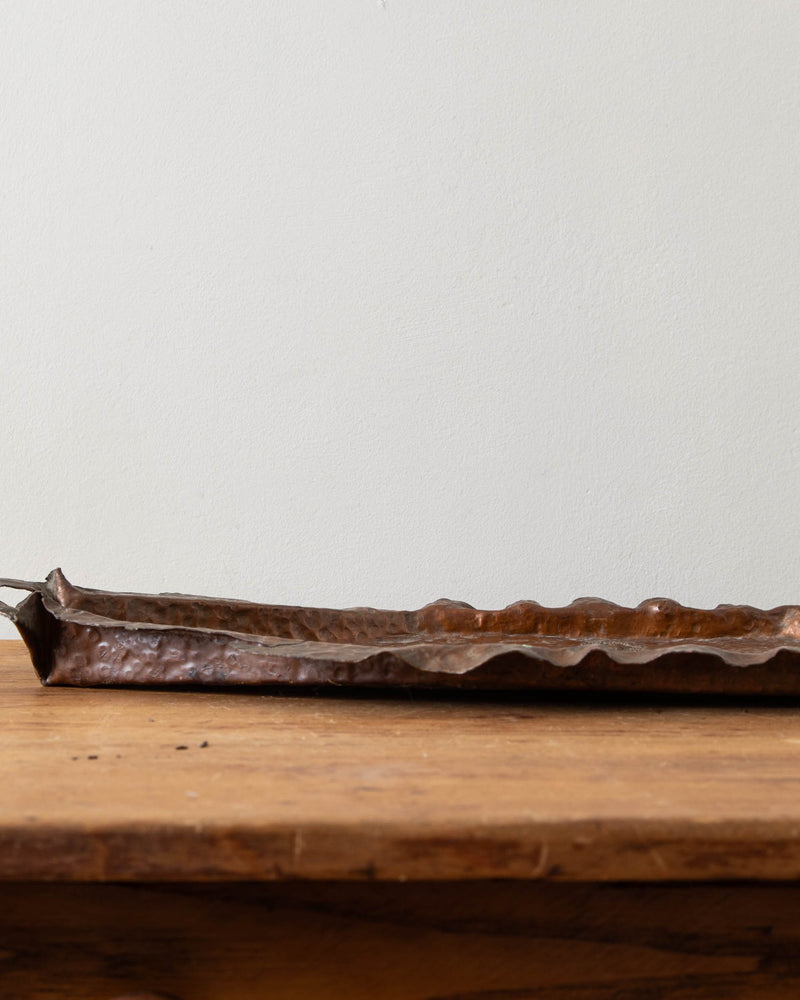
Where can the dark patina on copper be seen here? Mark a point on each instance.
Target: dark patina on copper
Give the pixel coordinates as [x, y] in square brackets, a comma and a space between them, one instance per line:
[87, 637]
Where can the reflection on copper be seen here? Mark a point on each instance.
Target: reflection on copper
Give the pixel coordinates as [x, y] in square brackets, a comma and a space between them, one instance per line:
[87, 637]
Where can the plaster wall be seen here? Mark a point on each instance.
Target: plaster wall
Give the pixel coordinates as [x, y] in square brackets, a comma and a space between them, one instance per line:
[355, 302]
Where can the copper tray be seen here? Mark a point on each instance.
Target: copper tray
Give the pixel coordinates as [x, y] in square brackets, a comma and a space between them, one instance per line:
[89, 637]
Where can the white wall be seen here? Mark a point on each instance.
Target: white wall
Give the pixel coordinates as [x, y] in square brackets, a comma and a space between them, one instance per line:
[349, 302]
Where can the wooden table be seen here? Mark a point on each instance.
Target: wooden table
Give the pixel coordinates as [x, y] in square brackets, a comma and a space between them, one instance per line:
[242, 846]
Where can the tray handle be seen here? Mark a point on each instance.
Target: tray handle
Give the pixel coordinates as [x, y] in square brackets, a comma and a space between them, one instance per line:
[6, 609]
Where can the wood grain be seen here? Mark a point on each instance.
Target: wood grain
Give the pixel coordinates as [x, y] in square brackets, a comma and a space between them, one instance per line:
[451, 941]
[155, 785]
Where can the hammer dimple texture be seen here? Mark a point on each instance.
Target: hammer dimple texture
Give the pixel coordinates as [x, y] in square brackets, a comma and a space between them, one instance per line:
[98, 637]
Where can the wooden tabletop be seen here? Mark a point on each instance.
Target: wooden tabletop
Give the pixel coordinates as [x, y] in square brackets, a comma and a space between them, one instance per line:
[157, 785]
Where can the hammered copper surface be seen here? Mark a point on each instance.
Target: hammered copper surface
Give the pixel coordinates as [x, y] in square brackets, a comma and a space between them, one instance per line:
[91, 637]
